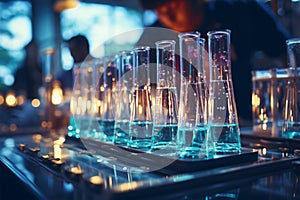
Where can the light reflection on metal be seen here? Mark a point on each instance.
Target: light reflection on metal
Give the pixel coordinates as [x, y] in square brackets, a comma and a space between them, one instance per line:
[57, 150]
[110, 182]
[76, 170]
[96, 180]
[264, 151]
[127, 186]
[37, 138]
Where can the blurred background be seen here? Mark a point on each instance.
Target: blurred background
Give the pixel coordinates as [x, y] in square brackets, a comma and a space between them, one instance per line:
[50, 23]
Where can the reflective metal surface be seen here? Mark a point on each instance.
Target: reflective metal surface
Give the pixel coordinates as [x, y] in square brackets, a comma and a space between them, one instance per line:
[48, 167]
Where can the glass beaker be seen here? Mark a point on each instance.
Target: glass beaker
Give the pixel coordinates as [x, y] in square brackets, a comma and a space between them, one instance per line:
[165, 122]
[75, 100]
[268, 91]
[192, 120]
[280, 83]
[105, 95]
[87, 98]
[291, 124]
[262, 100]
[49, 63]
[141, 120]
[223, 119]
[124, 62]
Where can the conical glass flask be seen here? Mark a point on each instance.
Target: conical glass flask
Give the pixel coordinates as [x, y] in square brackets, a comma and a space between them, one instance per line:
[124, 62]
[165, 120]
[192, 120]
[141, 122]
[106, 90]
[223, 119]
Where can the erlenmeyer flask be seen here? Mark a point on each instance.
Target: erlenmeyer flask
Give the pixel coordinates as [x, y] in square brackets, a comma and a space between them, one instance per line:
[124, 62]
[75, 110]
[192, 120]
[87, 99]
[106, 90]
[82, 99]
[165, 120]
[223, 117]
[141, 122]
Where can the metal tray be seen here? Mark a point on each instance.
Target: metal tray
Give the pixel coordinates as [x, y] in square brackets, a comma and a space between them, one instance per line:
[134, 159]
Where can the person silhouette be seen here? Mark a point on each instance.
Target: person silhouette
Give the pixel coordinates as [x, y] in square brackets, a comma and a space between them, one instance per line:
[28, 78]
[80, 50]
[254, 28]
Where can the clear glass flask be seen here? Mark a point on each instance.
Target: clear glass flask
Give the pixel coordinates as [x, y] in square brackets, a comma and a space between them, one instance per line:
[124, 62]
[105, 95]
[223, 118]
[86, 100]
[141, 119]
[75, 110]
[166, 102]
[192, 121]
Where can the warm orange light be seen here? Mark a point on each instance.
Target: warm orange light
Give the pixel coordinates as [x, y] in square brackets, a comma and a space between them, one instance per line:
[102, 88]
[11, 100]
[79, 103]
[57, 113]
[101, 69]
[21, 99]
[62, 5]
[35, 103]
[44, 124]
[1, 99]
[255, 100]
[140, 108]
[96, 180]
[90, 69]
[13, 127]
[57, 151]
[57, 95]
[127, 186]
[76, 170]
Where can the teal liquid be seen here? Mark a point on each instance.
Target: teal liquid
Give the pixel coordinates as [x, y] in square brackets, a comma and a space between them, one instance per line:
[107, 127]
[140, 135]
[164, 138]
[291, 130]
[72, 130]
[121, 132]
[84, 123]
[192, 142]
[226, 138]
